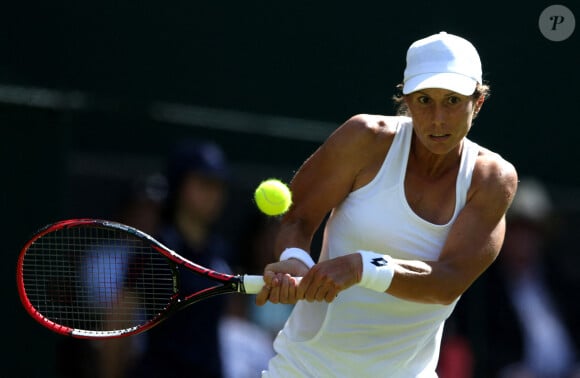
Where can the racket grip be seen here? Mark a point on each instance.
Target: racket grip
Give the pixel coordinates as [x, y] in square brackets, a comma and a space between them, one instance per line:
[253, 284]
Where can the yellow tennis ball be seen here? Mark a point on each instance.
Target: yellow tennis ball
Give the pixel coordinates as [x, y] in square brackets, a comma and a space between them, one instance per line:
[273, 197]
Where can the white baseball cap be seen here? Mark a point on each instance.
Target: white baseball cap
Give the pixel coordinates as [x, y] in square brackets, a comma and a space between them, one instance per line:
[442, 61]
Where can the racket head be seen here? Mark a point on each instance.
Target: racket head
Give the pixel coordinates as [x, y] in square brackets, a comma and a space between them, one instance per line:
[90, 278]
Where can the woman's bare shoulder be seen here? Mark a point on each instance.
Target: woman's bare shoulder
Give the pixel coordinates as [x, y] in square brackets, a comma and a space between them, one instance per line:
[492, 163]
[363, 141]
[494, 175]
[365, 129]
[374, 123]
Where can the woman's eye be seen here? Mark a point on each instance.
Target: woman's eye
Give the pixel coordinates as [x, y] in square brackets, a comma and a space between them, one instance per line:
[453, 99]
[423, 99]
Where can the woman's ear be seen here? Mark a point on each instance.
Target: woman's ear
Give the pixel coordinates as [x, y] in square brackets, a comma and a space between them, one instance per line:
[478, 104]
[406, 105]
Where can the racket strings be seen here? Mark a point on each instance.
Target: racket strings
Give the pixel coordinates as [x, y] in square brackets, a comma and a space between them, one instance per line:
[97, 279]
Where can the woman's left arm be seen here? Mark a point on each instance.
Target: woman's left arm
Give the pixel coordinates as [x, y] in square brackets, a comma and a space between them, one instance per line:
[473, 243]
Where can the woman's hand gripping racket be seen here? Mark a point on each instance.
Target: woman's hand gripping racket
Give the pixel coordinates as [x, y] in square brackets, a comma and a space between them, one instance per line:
[90, 278]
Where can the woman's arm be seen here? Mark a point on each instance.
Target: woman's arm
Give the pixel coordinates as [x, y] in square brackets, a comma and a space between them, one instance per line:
[338, 166]
[472, 245]
[473, 242]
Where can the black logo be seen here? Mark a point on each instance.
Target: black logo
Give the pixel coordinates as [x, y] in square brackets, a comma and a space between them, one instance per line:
[379, 261]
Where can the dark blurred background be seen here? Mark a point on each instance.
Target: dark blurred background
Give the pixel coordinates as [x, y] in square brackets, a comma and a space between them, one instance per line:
[94, 93]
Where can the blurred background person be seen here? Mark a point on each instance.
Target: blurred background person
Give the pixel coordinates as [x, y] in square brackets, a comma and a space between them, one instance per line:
[533, 339]
[246, 339]
[526, 316]
[188, 345]
[139, 206]
[456, 359]
[257, 246]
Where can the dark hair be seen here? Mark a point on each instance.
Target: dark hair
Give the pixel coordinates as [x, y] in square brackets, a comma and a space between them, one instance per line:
[481, 90]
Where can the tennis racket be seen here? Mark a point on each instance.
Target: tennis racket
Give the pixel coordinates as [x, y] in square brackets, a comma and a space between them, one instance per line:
[90, 278]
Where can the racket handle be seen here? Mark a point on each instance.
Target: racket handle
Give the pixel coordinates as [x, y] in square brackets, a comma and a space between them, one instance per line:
[253, 284]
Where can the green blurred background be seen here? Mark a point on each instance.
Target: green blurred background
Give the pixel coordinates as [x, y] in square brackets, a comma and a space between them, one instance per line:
[93, 94]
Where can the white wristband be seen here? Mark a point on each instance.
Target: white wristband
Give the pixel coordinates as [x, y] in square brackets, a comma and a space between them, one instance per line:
[299, 254]
[378, 271]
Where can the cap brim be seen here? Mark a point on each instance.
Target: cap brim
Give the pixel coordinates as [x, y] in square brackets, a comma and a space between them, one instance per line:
[454, 82]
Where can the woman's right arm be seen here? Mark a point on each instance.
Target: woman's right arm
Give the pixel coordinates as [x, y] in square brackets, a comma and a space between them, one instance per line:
[325, 179]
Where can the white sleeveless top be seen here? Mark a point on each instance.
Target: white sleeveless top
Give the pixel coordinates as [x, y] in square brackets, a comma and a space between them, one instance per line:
[363, 333]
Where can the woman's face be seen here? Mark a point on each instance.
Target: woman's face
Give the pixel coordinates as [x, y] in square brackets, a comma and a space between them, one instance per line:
[441, 118]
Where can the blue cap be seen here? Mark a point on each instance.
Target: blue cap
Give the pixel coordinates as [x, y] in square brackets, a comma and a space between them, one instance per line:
[193, 156]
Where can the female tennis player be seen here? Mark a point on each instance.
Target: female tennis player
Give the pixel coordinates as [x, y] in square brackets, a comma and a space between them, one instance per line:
[417, 213]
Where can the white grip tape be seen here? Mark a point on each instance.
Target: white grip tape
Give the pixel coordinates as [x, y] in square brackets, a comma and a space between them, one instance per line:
[299, 254]
[378, 271]
[253, 284]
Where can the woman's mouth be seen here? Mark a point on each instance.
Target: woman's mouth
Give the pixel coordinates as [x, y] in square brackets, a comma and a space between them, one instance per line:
[439, 137]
